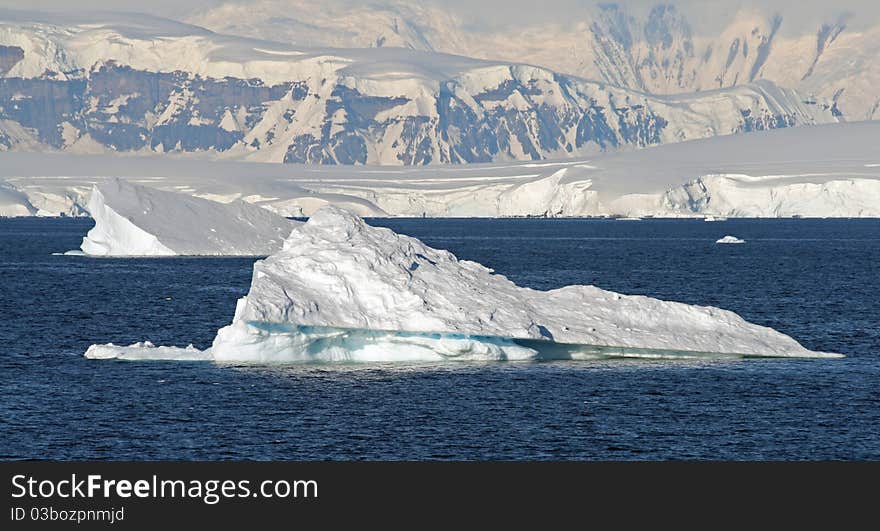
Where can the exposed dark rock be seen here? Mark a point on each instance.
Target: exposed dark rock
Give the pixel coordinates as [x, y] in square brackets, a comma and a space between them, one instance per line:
[9, 57]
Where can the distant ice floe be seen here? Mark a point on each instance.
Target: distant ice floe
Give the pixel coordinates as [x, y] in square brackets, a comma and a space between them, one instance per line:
[145, 350]
[729, 239]
[341, 290]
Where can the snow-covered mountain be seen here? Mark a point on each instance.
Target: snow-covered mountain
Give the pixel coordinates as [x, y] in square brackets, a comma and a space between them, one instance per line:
[92, 83]
[659, 49]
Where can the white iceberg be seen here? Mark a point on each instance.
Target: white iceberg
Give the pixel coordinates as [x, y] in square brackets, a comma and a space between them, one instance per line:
[341, 290]
[729, 239]
[132, 220]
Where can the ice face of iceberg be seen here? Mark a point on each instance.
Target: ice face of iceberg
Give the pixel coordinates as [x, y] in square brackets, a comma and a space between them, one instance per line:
[132, 220]
[285, 343]
[340, 289]
[114, 235]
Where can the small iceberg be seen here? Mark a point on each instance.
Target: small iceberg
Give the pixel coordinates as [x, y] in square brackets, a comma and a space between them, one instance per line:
[730, 239]
[145, 350]
[714, 218]
[341, 290]
[132, 220]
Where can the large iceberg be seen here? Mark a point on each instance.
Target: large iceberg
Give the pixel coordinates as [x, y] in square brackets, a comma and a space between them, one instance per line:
[132, 220]
[341, 290]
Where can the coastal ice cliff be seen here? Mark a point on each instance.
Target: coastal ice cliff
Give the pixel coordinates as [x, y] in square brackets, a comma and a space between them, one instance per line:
[132, 220]
[341, 290]
[821, 171]
[14, 203]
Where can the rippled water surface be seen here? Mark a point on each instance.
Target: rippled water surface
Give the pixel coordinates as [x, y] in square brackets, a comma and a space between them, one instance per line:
[813, 279]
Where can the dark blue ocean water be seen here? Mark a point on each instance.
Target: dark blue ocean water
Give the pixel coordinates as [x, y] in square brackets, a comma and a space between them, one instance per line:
[814, 279]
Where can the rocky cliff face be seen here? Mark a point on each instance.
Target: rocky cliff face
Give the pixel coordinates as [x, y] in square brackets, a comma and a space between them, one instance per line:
[125, 109]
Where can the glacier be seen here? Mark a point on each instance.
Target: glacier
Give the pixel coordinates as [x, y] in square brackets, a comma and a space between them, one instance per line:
[133, 220]
[820, 171]
[341, 290]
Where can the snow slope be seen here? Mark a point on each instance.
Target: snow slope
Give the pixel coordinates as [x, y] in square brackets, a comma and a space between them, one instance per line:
[823, 171]
[341, 290]
[133, 220]
[105, 82]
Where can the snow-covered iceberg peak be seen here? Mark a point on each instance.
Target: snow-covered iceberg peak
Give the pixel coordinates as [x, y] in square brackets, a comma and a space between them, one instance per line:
[133, 220]
[340, 289]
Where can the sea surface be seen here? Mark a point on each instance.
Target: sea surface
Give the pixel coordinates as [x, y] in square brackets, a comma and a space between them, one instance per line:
[816, 280]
